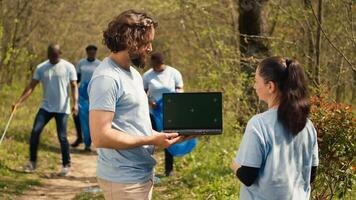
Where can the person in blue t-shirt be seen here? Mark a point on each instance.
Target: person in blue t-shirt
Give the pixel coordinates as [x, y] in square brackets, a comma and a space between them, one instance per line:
[278, 154]
[56, 76]
[120, 125]
[85, 70]
[156, 81]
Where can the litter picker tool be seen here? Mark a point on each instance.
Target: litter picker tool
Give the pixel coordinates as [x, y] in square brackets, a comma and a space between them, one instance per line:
[7, 125]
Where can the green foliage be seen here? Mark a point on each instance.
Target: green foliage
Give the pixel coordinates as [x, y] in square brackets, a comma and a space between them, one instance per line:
[200, 38]
[14, 150]
[16, 184]
[336, 127]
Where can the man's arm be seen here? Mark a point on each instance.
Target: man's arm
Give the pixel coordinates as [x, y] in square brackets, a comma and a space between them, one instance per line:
[104, 136]
[78, 71]
[74, 89]
[179, 89]
[151, 103]
[26, 93]
[313, 173]
[79, 75]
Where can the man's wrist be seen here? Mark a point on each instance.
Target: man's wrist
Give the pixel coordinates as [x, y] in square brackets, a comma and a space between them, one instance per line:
[148, 140]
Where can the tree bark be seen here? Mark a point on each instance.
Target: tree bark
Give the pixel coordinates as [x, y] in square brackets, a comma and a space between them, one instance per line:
[252, 28]
[310, 39]
[318, 43]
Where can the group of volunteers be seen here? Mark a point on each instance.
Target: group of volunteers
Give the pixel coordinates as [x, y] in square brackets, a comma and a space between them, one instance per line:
[278, 154]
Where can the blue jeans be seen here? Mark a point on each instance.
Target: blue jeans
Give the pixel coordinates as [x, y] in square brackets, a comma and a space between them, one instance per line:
[42, 118]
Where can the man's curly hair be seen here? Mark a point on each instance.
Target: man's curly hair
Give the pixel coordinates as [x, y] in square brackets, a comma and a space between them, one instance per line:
[129, 30]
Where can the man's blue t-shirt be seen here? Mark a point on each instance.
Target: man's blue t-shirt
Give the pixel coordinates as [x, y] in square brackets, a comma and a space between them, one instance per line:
[117, 90]
[86, 69]
[157, 83]
[55, 81]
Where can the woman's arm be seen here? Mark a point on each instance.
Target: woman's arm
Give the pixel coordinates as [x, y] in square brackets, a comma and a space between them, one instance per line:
[247, 175]
[313, 174]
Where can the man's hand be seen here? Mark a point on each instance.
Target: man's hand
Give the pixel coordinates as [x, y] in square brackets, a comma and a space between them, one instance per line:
[15, 106]
[152, 104]
[165, 140]
[75, 109]
[188, 137]
[25, 94]
[74, 88]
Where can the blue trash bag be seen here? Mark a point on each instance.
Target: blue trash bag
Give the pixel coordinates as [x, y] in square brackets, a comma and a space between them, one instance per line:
[83, 107]
[157, 115]
[179, 149]
[83, 90]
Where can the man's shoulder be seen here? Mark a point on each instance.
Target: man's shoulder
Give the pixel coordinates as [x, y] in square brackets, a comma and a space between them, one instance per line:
[148, 73]
[105, 69]
[81, 61]
[67, 63]
[97, 61]
[173, 70]
[42, 64]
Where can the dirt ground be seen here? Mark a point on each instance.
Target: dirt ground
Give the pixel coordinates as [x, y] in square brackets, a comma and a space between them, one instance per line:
[80, 178]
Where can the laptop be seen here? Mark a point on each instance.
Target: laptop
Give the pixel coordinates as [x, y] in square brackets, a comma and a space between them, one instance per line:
[193, 113]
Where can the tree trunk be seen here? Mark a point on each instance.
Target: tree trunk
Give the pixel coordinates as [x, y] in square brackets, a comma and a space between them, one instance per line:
[252, 28]
[252, 24]
[340, 86]
[353, 89]
[310, 39]
[318, 43]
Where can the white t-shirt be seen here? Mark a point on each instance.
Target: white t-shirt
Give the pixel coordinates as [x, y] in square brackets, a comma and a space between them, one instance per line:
[157, 83]
[86, 69]
[55, 81]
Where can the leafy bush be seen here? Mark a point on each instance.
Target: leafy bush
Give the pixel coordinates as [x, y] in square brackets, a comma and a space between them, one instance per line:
[335, 124]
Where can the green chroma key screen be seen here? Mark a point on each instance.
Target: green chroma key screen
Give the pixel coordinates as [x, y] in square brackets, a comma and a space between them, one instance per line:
[193, 112]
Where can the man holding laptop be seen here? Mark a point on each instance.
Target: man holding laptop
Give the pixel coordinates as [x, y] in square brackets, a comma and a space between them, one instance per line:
[119, 119]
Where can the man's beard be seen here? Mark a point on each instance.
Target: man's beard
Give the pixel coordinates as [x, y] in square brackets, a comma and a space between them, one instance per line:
[138, 59]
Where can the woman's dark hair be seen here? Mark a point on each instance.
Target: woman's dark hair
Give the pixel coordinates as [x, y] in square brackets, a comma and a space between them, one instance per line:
[129, 30]
[157, 58]
[289, 77]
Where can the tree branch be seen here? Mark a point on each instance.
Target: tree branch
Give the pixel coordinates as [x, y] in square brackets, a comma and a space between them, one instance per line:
[332, 44]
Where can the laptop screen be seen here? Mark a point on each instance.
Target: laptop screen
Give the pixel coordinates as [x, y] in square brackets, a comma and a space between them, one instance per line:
[192, 112]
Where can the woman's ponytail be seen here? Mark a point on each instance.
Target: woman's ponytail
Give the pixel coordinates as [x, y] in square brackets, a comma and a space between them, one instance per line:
[294, 106]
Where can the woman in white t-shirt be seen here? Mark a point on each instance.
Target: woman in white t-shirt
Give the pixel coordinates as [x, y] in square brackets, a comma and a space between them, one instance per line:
[278, 154]
[158, 80]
